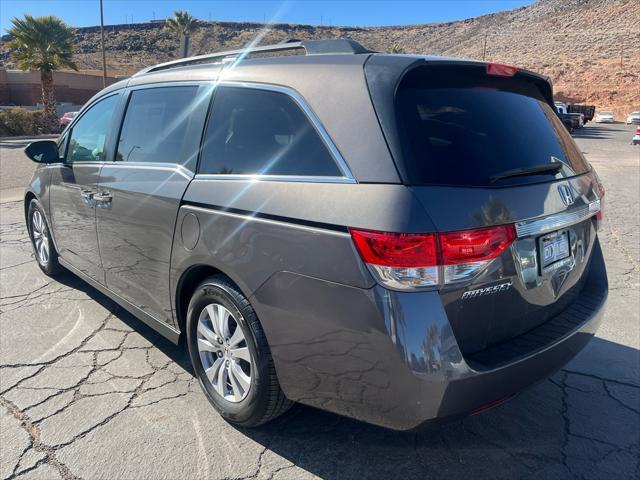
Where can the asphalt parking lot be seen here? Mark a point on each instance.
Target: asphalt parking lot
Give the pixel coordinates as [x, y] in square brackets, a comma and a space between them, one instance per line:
[87, 391]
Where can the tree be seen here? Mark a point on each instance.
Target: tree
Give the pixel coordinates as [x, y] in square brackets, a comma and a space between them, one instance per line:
[395, 48]
[183, 25]
[42, 43]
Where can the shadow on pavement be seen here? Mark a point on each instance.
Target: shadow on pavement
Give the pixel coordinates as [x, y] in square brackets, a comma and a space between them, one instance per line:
[584, 420]
[177, 353]
[598, 132]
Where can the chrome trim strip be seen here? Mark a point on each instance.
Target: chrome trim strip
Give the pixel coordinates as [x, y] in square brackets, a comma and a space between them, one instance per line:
[165, 167]
[556, 221]
[273, 178]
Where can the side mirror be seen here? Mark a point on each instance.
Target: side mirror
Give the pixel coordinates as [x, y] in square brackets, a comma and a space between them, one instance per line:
[43, 151]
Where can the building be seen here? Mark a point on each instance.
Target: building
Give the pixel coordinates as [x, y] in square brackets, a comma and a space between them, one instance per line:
[24, 88]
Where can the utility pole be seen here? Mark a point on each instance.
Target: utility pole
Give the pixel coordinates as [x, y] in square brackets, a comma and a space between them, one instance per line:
[484, 47]
[104, 59]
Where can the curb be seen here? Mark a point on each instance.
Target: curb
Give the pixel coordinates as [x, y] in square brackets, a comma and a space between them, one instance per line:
[25, 137]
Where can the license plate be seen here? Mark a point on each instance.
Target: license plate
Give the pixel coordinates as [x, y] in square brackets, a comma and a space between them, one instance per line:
[554, 247]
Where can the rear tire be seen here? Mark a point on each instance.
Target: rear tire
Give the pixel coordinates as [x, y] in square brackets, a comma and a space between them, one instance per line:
[225, 360]
[41, 241]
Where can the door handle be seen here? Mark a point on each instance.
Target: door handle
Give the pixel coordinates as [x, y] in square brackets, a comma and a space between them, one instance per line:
[103, 200]
[87, 197]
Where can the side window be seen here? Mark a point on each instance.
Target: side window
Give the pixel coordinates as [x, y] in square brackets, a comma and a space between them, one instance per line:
[254, 132]
[163, 125]
[87, 139]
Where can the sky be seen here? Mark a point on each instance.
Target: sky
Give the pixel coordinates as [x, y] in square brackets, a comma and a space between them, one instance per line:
[79, 13]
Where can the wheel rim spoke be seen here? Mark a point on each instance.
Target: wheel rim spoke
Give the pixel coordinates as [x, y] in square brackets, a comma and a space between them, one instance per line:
[237, 337]
[212, 314]
[212, 371]
[224, 353]
[206, 332]
[222, 316]
[204, 345]
[239, 376]
[238, 385]
[242, 353]
[40, 239]
[221, 384]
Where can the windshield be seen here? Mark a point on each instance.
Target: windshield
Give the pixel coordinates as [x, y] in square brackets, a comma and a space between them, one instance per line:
[466, 129]
[606, 113]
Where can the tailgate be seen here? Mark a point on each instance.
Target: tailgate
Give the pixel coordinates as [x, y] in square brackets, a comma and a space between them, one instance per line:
[520, 289]
[480, 145]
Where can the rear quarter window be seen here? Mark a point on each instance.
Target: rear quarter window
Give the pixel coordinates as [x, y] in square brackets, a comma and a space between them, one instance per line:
[262, 132]
[463, 128]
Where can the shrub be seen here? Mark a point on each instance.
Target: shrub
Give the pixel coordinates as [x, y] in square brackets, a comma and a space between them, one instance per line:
[17, 121]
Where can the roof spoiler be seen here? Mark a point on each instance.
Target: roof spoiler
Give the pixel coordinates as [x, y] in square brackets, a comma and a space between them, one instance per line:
[311, 47]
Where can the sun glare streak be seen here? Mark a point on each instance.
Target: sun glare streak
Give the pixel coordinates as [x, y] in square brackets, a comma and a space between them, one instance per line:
[244, 222]
[284, 6]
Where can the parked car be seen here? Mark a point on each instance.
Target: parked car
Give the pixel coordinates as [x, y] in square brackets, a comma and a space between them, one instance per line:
[571, 121]
[567, 121]
[66, 119]
[587, 110]
[394, 245]
[636, 138]
[633, 118]
[604, 117]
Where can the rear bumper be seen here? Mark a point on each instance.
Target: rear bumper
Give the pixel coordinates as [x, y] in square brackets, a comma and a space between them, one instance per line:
[391, 358]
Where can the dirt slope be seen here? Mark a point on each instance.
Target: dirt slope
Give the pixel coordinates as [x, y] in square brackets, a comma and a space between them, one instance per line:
[590, 48]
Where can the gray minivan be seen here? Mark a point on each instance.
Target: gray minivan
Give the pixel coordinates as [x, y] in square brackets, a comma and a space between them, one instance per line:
[394, 238]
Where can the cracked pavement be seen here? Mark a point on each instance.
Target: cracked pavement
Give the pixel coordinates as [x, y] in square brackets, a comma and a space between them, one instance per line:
[87, 391]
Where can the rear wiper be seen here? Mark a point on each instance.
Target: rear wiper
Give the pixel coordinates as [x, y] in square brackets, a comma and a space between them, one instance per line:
[526, 171]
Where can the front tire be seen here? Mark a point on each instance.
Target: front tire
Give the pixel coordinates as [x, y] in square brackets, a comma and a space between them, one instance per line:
[43, 247]
[230, 355]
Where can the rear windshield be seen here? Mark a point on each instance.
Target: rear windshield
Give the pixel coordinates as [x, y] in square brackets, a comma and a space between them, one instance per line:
[462, 127]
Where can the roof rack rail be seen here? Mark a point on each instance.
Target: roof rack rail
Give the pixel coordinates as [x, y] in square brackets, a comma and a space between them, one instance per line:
[311, 47]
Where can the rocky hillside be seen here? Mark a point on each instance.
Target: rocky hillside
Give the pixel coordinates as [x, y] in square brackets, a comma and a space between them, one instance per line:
[588, 47]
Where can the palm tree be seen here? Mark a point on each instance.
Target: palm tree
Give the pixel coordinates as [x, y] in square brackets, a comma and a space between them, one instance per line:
[183, 25]
[42, 43]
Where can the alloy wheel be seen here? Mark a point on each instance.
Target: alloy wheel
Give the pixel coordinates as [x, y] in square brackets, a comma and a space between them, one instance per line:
[224, 352]
[40, 237]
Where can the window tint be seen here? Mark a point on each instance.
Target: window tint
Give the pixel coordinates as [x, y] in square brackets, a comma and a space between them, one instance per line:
[262, 132]
[463, 130]
[86, 143]
[162, 125]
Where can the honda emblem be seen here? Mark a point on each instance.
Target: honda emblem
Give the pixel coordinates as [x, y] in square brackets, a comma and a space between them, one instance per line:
[566, 194]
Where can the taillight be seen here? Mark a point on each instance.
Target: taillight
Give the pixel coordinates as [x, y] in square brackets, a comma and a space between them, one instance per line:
[601, 192]
[396, 249]
[407, 261]
[501, 70]
[465, 253]
[399, 260]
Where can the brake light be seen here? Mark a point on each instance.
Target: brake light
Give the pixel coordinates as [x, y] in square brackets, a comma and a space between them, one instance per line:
[406, 261]
[475, 245]
[396, 249]
[501, 70]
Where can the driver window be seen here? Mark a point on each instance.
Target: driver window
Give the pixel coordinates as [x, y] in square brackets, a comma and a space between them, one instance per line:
[89, 134]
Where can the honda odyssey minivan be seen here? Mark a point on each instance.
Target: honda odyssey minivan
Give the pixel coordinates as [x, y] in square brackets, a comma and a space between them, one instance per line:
[394, 238]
